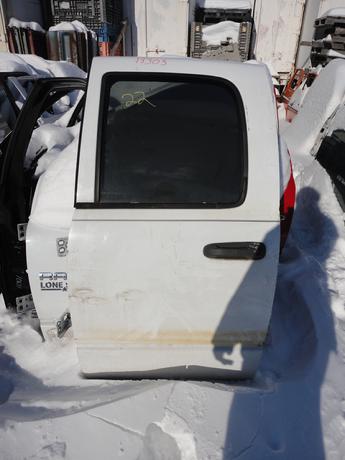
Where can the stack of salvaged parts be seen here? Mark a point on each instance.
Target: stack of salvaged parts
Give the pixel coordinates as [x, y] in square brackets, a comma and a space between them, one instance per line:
[329, 40]
[234, 48]
[71, 46]
[24, 40]
[102, 16]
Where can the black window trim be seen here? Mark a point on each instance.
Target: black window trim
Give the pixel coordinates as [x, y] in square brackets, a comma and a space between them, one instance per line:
[169, 77]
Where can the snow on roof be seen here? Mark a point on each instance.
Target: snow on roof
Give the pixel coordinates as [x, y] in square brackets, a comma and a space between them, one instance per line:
[25, 25]
[334, 12]
[322, 99]
[76, 26]
[225, 4]
[217, 33]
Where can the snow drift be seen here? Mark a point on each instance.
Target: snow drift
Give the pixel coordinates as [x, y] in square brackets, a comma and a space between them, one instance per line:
[322, 100]
[37, 66]
[225, 4]
[295, 407]
[221, 32]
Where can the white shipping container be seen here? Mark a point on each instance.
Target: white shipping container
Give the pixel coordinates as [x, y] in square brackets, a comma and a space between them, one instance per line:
[160, 27]
[326, 5]
[278, 28]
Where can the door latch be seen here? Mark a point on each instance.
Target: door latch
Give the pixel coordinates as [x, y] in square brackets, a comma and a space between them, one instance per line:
[21, 231]
[64, 323]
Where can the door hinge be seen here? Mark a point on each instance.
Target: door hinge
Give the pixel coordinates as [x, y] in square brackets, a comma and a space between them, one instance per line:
[24, 303]
[63, 324]
[21, 231]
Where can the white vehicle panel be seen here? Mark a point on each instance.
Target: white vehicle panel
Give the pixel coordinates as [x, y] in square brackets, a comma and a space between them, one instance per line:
[47, 273]
[150, 286]
[326, 5]
[144, 298]
[255, 87]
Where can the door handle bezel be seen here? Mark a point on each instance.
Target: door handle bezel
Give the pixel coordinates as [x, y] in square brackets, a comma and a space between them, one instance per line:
[237, 251]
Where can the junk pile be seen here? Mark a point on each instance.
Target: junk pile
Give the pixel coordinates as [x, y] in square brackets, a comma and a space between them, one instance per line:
[81, 29]
[72, 42]
[26, 38]
[104, 17]
[67, 41]
[329, 37]
[221, 32]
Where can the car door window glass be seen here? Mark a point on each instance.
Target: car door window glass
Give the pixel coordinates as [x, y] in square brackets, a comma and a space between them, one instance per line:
[172, 142]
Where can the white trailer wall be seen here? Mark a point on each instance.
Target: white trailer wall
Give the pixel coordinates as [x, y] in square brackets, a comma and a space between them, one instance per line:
[278, 28]
[159, 27]
[314, 9]
[326, 5]
[311, 13]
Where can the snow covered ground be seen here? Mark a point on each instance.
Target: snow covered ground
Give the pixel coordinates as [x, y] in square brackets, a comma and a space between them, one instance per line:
[294, 409]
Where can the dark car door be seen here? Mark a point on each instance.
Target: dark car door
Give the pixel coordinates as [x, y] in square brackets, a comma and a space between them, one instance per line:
[17, 186]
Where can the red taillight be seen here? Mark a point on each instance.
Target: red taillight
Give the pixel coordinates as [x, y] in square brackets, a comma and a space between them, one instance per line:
[287, 206]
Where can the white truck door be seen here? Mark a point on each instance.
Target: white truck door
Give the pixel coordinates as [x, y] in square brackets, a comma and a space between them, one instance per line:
[174, 244]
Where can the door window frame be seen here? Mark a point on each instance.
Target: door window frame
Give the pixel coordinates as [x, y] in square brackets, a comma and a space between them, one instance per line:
[169, 77]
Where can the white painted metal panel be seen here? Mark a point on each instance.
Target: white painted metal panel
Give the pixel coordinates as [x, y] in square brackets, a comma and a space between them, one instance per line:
[255, 87]
[310, 14]
[167, 27]
[326, 5]
[161, 27]
[47, 275]
[143, 297]
[278, 28]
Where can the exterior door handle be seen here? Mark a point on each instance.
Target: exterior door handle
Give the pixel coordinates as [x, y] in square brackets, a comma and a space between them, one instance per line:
[236, 251]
